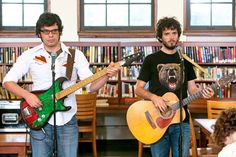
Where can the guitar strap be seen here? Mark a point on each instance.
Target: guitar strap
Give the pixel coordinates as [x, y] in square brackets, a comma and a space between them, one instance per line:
[195, 64]
[70, 62]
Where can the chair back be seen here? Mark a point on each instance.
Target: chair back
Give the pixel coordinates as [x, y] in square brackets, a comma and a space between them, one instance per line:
[86, 106]
[86, 116]
[215, 107]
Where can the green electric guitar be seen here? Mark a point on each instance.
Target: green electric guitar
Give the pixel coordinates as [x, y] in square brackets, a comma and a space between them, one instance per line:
[36, 118]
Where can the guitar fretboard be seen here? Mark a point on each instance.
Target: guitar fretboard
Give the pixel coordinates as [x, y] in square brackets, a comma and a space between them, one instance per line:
[189, 99]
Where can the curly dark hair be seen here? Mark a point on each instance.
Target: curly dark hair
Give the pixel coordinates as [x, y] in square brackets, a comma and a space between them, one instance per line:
[48, 19]
[225, 125]
[169, 23]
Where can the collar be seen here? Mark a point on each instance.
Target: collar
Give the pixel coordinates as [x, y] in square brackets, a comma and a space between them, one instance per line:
[64, 48]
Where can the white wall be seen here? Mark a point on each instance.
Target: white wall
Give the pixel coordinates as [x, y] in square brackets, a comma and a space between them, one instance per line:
[175, 8]
[171, 8]
[67, 10]
[69, 18]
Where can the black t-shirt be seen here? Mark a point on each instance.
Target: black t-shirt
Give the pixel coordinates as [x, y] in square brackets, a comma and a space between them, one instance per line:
[163, 73]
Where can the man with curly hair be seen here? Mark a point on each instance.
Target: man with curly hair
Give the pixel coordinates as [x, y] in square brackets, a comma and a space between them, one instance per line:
[161, 71]
[225, 133]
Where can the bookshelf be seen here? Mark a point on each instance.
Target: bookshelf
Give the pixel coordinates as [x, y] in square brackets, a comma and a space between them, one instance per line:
[217, 58]
[119, 90]
[98, 54]
[8, 55]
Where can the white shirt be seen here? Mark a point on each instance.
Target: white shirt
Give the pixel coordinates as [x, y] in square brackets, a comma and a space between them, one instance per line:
[228, 151]
[38, 62]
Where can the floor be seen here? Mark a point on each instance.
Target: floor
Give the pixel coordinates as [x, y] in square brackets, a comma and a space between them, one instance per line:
[113, 148]
[109, 148]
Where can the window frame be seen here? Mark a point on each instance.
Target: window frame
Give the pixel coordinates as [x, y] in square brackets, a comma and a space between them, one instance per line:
[140, 32]
[16, 31]
[204, 30]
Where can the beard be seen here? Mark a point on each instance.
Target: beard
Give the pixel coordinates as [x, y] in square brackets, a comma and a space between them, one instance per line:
[171, 45]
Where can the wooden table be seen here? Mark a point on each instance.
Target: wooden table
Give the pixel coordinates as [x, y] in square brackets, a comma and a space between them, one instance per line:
[14, 143]
[206, 129]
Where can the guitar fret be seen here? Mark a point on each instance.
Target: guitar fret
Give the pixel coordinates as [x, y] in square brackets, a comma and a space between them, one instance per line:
[80, 84]
[187, 100]
[198, 94]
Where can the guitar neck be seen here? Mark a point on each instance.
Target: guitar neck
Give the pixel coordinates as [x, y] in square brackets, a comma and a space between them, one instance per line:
[82, 83]
[189, 99]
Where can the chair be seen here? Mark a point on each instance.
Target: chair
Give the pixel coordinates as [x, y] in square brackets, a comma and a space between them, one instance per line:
[195, 152]
[86, 115]
[215, 107]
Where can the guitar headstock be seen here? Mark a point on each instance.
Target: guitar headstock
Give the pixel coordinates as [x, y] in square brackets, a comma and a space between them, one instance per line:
[128, 60]
[224, 80]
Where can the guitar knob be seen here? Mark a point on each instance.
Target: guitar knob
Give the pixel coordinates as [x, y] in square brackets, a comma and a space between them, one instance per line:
[43, 116]
[39, 119]
[40, 108]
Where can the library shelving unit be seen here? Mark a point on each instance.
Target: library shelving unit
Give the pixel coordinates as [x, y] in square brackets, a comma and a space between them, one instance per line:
[8, 55]
[99, 54]
[119, 91]
[218, 58]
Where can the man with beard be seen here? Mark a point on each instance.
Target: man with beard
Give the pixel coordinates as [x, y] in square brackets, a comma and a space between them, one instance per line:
[160, 70]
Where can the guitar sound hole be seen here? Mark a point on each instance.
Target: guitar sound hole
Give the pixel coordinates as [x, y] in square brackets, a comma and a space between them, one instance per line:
[167, 114]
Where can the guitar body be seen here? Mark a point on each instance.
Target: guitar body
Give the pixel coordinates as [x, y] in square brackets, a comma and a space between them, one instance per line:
[36, 118]
[146, 122]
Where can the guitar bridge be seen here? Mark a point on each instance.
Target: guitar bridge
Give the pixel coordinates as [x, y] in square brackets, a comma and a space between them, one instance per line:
[150, 120]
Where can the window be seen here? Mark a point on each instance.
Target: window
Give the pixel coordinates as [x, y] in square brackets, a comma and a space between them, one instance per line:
[210, 15]
[20, 14]
[112, 17]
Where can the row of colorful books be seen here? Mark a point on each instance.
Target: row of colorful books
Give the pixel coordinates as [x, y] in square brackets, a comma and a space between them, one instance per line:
[8, 55]
[211, 54]
[129, 50]
[215, 73]
[220, 92]
[130, 73]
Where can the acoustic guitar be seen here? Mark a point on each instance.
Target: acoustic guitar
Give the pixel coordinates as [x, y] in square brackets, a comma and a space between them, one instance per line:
[148, 124]
[36, 118]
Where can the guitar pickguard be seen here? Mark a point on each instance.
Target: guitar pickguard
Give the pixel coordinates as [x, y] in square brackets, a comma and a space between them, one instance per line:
[164, 122]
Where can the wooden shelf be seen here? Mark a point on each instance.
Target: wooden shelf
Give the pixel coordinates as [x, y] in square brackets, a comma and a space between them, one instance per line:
[198, 106]
[195, 106]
